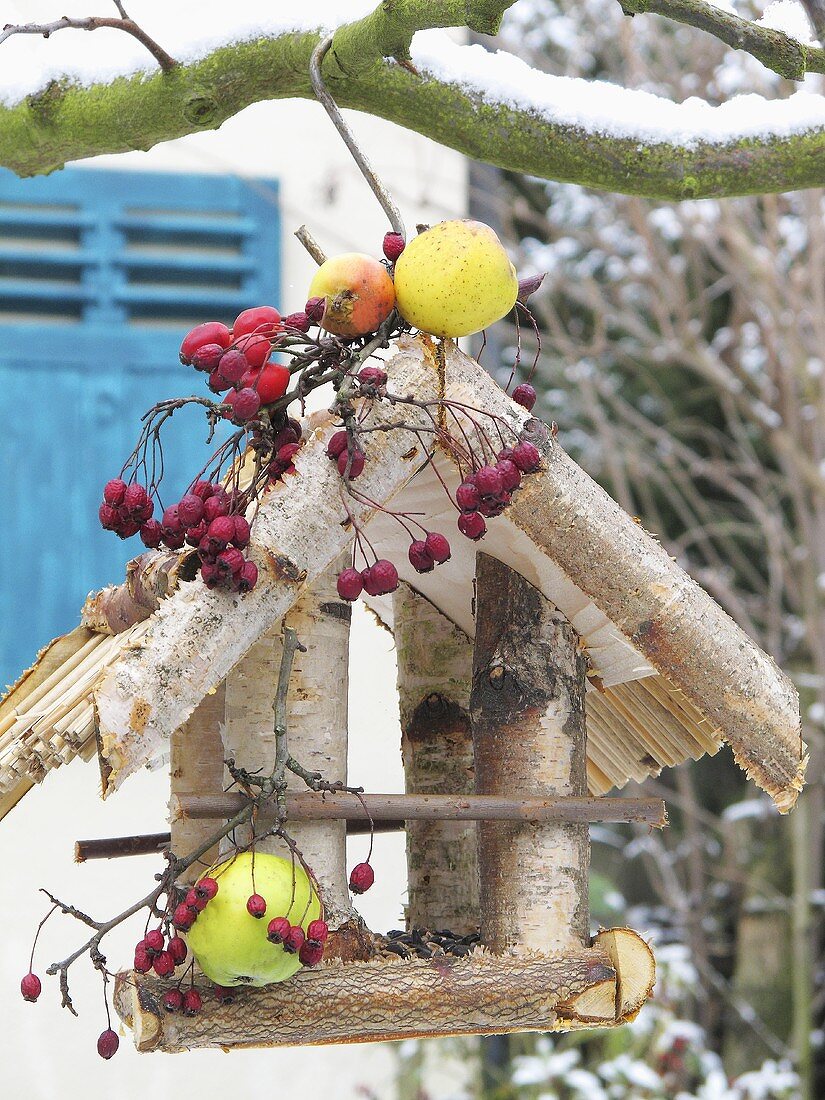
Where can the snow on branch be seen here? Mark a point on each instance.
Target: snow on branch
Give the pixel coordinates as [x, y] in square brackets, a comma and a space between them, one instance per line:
[490, 106]
[776, 49]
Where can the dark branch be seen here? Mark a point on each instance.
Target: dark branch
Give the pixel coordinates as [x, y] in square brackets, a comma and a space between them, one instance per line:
[94, 23]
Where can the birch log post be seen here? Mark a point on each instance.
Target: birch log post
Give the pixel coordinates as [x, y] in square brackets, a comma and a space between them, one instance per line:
[196, 768]
[435, 662]
[317, 736]
[527, 708]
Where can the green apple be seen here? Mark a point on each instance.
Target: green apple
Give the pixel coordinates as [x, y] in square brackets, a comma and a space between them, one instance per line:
[229, 944]
[454, 279]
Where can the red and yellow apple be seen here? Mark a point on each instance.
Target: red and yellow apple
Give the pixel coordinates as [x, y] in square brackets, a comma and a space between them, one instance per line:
[358, 292]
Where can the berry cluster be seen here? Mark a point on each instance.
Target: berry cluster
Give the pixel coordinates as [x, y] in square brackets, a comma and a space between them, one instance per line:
[126, 509]
[308, 946]
[196, 900]
[488, 490]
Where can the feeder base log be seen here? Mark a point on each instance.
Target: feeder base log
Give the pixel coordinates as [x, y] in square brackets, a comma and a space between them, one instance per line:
[384, 1000]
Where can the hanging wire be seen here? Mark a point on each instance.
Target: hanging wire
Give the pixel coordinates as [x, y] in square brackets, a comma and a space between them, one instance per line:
[331, 107]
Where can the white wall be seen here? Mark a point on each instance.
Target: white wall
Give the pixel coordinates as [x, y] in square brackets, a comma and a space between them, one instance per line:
[46, 1053]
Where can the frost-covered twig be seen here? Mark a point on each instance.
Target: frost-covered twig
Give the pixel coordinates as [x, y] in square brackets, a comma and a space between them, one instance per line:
[775, 49]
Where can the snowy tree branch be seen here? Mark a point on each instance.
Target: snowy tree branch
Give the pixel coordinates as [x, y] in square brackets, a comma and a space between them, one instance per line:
[775, 49]
[491, 107]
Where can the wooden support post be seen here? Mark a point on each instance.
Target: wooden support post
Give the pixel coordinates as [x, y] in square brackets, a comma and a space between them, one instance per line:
[316, 725]
[196, 768]
[527, 710]
[435, 661]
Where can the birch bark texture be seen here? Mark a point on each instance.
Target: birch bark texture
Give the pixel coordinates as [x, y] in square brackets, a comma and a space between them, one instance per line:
[435, 662]
[316, 726]
[528, 721]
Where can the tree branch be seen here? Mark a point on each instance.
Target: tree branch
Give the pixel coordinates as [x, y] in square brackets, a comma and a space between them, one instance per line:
[95, 23]
[775, 49]
[66, 122]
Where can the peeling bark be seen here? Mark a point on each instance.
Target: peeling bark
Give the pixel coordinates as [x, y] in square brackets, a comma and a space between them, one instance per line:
[435, 661]
[527, 709]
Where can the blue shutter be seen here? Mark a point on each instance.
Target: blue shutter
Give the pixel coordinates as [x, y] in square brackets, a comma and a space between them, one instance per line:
[101, 273]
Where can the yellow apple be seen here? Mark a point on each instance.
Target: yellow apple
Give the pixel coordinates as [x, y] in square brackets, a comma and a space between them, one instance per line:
[358, 291]
[229, 944]
[454, 279]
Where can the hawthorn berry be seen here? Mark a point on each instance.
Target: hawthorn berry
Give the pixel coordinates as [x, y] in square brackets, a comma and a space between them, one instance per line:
[245, 405]
[248, 577]
[30, 987]
[487, 480]
[294, 940]
[297, 320]
[221, 530]
[193, 900]
[173, 1000]
[206, 888]
[210, 575]
[190, 510]
[114, 491]
[224, 995]
[318, 931]
[206, 358]
[372, 376]
[526, 456]
[212, 332]
[154, 940]
[510, 474]
[192, 1002]
[183, 917]
[136, 503]
[437, 546]
[218, 384]
[421, 559]
[143, 961]
[349, 584]
[354, 461]
[171, 523]
[310, 953]
[177, 949]
[109, 517]
[337, 444]
[361, 878]
[278, 929]
[472, 525]
[467, 497]
[525, 395]
[151, 534]
[107, 1044]
[394, 244]
[241, 532]
[494, 506]
[256, 906]
[163, 964]
[196, 533]
[287, 453]
[314, 309]
[230, 562]
[233, 366]
[214, 506]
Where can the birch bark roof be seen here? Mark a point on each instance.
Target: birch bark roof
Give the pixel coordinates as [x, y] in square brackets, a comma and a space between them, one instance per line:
[672, 676]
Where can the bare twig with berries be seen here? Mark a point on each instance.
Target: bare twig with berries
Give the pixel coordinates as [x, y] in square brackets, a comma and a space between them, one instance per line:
[93, 23]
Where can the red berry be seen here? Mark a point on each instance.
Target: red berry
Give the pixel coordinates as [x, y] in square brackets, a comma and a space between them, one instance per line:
[525, 395]
[221, 529]
[510, 474]
[190, 510]
[109, 517]
[240, 535]
[163, 964]
[184, 917]
[206, 888]
[252, 319]
[421, 559]
[203, 489]
[487, 480]
[224, 995]
[206, 358]
[526, 457]
[337, 444]
[494, 506]
[437, 546]
[472, 525]
[317, 931]
[194, 901]
[212, 332]
[310, 953]
[175, 542]
[361, 878]
[177, 949]
[314, 309]
[355, 463]
[294, 940]
[151, 533]
[256, 906]
[115, 490]
[214, 506]
[297, 320]
[270, 384]
[136, 502]
[143, 963]
[232, 366]
[349, 584]
[394, 245]
[505, 453]
[278, 929]
[372, 376]
[467, 497]
[211, 576]
[171, 523]
[30, 987]
[154, 940]
[245, 405]
[256, 348]
[217, 383]
[107, 1044]
[383, 578]
[173, 1000]
[248, 577]
[192, 1002]
[230, 562]
[287, 453]
[289, 434]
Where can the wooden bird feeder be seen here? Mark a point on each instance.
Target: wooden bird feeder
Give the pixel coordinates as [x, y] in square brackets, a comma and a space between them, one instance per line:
[561, 657]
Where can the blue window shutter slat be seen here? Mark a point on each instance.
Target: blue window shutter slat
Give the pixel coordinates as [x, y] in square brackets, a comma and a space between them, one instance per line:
[137, 252]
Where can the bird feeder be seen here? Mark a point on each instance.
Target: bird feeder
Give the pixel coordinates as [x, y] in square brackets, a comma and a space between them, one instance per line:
[562, 656]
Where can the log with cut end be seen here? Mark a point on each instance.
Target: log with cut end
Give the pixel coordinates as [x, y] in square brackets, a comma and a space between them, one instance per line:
[150, 578]
[381, 1000]
[527, 710]
[435, 664]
